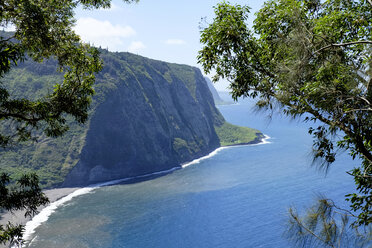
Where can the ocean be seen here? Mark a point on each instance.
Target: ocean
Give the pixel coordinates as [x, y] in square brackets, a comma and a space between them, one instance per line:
[235, 197]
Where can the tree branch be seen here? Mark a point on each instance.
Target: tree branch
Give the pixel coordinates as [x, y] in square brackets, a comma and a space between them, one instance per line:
[308, 230]
[341, 209]
[356, 110]
[345, 44]
[358, 141]
[20, 116]
[364, 174]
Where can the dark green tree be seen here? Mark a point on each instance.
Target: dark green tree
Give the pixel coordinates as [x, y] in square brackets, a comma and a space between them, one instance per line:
[310, 59]
[43, 30]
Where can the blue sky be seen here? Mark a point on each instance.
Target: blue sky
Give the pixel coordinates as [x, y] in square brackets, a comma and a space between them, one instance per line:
[166, 30]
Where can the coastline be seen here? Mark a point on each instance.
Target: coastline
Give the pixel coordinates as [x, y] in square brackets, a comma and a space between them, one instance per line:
[18, 217]
[261, 140]
[58, 196]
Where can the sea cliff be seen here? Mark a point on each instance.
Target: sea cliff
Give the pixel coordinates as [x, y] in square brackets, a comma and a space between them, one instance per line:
[146, 116]
[156, 116]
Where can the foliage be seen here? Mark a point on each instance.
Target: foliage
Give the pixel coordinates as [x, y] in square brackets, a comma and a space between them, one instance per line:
[43, 29]
[26, 196]
[233, 135]
[325, 225]
[307, 58]
[51, 157]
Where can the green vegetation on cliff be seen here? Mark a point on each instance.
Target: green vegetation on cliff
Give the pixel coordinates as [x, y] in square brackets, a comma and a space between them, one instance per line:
[51, 158]
[230, 134]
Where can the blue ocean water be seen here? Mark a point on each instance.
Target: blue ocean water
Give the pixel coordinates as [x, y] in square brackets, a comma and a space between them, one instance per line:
[237, 198]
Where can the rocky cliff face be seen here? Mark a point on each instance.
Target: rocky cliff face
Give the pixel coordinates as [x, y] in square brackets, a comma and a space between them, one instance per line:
[153, 117]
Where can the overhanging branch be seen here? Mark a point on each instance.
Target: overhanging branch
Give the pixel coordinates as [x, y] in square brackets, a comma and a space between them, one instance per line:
[345, 44]
[299, 222]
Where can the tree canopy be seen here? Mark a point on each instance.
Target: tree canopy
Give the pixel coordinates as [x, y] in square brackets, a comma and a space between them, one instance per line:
[43, 30]
[310, 59]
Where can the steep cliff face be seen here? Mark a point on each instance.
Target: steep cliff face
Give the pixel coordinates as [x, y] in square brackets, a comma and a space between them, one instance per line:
[155, 116]
[146, 116]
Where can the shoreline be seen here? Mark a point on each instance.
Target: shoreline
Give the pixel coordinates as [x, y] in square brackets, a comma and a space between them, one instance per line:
[257, 141]
[58, 196]
[17, 217]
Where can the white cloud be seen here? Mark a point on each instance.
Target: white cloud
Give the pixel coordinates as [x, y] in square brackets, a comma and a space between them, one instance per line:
[103, 33]
[136, 46]
[175, 42]
[9, 28]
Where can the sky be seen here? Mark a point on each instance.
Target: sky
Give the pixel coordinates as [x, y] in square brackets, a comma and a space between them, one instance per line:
[166, 30]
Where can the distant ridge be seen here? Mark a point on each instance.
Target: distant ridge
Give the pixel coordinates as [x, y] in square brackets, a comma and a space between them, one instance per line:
[216, 97]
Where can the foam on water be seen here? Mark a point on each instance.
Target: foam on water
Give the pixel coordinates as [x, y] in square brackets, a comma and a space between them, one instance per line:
[265, 140]
[198, 160]
[44, 214]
